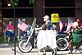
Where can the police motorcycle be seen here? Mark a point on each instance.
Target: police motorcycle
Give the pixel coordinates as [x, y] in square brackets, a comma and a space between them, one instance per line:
[26, 44]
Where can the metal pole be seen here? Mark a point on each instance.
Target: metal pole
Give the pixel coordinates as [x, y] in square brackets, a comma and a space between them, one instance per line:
[14, 29]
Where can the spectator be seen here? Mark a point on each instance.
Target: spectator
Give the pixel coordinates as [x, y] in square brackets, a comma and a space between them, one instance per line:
[79, 22]
[64, 27]
[46, 38]
[76, 37]
[9, 30]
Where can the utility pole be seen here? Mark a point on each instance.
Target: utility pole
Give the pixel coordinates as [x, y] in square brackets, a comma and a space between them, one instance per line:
[14, 28]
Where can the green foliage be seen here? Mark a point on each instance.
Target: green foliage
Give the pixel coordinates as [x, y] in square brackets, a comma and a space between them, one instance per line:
[15, 2]
[1, 40]
[31, 1]
[12, 2]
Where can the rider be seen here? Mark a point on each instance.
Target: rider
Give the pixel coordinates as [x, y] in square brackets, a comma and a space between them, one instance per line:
[47, 22]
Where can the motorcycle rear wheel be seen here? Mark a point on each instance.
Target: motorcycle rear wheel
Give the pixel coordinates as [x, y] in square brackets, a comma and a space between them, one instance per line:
[62, 44]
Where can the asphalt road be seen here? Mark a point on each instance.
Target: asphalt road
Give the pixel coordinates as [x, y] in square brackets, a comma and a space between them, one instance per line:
[9, 51]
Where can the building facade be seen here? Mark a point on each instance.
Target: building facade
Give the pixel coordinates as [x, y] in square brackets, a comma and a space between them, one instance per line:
[38, 8]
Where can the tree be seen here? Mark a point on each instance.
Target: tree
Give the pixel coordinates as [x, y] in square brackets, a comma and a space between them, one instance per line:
[11, 2]
[31, 1]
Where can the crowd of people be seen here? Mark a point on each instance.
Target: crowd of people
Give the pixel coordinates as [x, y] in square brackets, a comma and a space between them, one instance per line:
[48, 25]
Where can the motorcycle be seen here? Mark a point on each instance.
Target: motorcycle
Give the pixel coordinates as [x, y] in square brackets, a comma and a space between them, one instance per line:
[29, 42]
[26, 43]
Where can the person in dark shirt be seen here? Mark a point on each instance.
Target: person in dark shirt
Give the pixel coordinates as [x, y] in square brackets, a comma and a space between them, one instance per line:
[47, 22]
[64, 27]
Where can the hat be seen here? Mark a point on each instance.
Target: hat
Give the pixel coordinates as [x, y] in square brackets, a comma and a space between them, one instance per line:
[46, 16]
[75, 24]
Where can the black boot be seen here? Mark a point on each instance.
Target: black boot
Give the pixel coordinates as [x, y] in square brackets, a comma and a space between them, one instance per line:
[54, 52]
[44, 54]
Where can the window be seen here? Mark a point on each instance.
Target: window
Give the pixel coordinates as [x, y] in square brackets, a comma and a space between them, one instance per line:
[63, 12]
[59, 3]
[19, 13]
[19, 3]
[63, 7]
[23, 9]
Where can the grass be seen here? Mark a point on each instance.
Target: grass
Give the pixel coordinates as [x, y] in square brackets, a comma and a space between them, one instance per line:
[3, 42]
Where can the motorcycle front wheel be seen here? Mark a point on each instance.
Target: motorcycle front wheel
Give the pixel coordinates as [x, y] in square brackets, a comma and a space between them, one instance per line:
[24, 47]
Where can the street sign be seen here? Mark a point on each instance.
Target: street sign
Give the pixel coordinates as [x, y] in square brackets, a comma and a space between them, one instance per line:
[54, 17]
